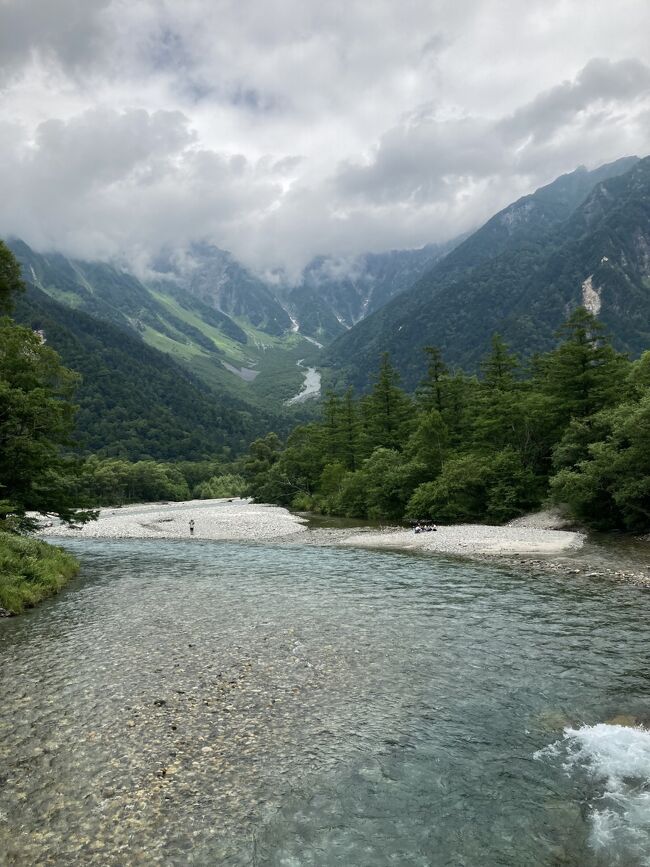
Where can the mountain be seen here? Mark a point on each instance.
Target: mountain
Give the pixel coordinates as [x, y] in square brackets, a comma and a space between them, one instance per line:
[335, 293]
[135, 401]
[216, 278]
[229, 354]
[519, 275]
[213, 316]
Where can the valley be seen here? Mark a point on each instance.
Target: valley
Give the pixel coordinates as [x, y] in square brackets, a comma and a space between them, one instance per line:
[324, 434]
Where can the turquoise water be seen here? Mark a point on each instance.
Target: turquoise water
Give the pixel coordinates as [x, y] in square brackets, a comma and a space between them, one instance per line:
[209, 703]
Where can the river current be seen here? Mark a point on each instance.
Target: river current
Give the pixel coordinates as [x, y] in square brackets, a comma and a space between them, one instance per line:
[241, 704]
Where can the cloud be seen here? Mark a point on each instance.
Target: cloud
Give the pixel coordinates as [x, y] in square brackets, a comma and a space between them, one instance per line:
[599, 83]
[122, 184]
[430, 158]
[313, 128]
[69, 31]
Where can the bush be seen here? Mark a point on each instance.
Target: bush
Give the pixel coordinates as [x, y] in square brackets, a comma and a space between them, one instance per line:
[476, 487]
[227, 485]
[30, 571]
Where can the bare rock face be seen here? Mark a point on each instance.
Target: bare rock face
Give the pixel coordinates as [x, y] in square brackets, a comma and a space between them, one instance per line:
[591, 296]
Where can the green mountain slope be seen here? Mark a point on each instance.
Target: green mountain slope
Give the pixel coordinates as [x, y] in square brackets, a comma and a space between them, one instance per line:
[518, 274]
[216, 278]
[335, 293]
[232, 355]
[134, 401]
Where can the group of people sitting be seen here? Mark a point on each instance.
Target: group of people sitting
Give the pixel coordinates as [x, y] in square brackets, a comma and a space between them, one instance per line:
[423, 526]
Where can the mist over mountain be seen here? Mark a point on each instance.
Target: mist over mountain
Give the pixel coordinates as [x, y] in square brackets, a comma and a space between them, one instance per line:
[577, 240]
[519, 275]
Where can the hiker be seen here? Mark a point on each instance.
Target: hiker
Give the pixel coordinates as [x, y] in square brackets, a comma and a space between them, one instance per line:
[191, 527]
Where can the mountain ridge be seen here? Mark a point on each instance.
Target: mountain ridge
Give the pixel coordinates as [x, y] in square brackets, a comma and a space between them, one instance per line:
[458, 304]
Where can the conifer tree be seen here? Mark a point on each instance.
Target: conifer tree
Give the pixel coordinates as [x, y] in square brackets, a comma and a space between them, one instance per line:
[432, 391]
[351, 432]
[386, 409]
[584, 373]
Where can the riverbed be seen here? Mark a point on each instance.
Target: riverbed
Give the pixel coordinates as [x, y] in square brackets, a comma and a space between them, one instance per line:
[189, 701]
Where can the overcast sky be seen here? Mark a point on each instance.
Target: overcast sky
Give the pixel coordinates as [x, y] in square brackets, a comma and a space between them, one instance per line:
[279, 129]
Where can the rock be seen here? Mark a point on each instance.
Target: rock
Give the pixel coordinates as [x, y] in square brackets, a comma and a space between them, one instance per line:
[623, 719]
[5, 613]
[159, 702]
[553, 720]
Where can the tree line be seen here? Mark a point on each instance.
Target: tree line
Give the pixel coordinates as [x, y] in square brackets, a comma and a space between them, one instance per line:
[571, 427]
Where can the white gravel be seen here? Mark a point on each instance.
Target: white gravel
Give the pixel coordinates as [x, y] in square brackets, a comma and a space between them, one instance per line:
[548, 519]
[213, 519]
[471, 539]
[241, 520]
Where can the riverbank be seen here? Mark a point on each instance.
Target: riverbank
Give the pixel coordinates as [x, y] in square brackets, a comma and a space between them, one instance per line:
[227, 519]
[30, 571]
[241, 520]
[539, 542]
[474, 539]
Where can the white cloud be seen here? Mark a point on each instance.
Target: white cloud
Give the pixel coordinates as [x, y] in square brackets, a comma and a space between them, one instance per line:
[289, 128]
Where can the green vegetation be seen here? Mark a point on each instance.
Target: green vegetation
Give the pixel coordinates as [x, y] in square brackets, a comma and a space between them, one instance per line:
[518, 275]
[575, 425]
[134, 402]
[36, 420]
[66, 296]
[116, 482]
[30, 571]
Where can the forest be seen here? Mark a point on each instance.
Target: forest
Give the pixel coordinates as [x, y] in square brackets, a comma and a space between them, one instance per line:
[572, 427]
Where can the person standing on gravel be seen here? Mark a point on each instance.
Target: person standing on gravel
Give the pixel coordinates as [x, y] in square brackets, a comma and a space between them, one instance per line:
[192, 527]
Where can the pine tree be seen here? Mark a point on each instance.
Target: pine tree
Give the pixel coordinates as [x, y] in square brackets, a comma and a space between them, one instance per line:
[351, 432]
[584, 373]
[432, 393]
[386, 410]
[499, 366]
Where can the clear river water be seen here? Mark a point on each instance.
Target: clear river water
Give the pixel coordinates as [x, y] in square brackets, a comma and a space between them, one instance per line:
[241, 704]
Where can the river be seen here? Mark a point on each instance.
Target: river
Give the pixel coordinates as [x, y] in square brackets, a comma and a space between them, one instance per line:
[281, 704]
[310, 387]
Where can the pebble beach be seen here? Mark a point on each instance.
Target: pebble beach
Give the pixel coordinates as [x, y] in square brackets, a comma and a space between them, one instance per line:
[539, 541]
[242, 520]
[224, 519]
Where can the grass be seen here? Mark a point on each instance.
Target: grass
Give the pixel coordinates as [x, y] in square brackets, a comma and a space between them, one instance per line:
[31, 571]
[274, 357]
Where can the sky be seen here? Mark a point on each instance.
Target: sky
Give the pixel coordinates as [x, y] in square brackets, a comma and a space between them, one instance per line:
[283, 129]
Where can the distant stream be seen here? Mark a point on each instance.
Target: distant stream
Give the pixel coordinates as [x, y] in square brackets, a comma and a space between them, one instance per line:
[191, 702]
[310, 387]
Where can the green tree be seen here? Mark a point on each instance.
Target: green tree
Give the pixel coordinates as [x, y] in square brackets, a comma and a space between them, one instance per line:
[263, 453]
[10, 280]
[608, 486]
[499, 366]
[432, 392]
[428, 444]
[476, 487]
[386, 410]
[36, 421]
[389, 480]
[583, 374]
